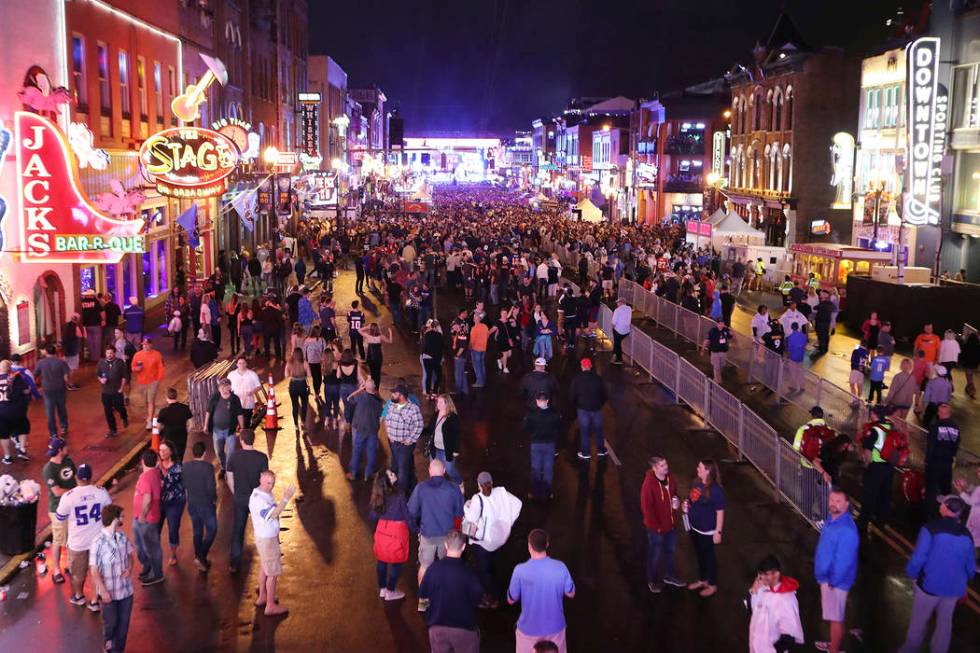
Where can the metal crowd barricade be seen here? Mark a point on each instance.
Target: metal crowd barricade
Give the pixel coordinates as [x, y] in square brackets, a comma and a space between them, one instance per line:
[203, 383]
[760, 444]
[689, 326]
[691, 385]
[664, 366]
[803, 487]
[724, 412]
[639, 346]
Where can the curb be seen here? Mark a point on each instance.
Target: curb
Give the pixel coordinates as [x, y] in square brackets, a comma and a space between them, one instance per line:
[9, 570]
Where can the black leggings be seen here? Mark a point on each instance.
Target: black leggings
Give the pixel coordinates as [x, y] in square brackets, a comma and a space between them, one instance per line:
[704, 547]
[233, 335]
[433, 374]
[317, 378]
[374, 364]
[299, 395]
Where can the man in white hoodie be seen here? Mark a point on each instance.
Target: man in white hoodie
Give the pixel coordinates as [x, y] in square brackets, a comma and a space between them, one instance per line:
[775, 625]
[493, 511]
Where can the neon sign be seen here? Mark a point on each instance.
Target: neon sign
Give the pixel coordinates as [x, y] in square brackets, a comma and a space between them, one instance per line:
[842, 163]
[240, 132]
[926, 138]
[58, 223]
[189, 162]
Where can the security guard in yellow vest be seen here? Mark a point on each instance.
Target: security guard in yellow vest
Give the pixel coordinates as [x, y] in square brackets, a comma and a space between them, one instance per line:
[878, 474]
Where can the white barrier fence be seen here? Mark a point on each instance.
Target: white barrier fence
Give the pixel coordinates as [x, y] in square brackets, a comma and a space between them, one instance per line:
[745, 431]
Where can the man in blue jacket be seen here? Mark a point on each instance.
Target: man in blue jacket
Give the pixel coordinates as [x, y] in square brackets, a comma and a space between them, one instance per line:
[835, 566]
[942, 566]
[434, 507]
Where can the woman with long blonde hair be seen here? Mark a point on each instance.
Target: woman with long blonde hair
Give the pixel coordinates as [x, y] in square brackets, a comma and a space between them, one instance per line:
[445, 430]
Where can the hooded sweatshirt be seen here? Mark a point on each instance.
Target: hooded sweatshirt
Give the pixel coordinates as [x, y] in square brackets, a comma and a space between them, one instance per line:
[775, 612]
[655, 501]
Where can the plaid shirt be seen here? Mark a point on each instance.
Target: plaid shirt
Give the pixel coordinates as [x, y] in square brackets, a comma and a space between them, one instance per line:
[404, 422]
[110, 553]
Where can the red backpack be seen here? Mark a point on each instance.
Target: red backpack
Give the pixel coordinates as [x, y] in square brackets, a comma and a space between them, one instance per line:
[895, 450]
[814, 436]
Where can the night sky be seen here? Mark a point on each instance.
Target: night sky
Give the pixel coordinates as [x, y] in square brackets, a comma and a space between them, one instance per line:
[491, 66]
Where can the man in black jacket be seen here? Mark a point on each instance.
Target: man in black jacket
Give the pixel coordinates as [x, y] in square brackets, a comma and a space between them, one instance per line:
[588, 395]
[543, 425]
[538, 381]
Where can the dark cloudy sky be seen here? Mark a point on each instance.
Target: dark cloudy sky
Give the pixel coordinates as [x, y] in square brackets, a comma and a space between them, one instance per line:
[491, 66]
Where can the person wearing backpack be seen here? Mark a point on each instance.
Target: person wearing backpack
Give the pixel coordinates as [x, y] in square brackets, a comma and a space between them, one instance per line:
[882, 448]
[389, 512]
[807, 442]
[488, 518]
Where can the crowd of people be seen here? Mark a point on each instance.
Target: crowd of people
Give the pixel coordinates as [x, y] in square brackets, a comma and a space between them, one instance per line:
[494, 258]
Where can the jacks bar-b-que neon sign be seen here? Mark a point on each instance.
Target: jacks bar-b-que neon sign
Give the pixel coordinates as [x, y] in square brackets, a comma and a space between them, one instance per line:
[57, 222]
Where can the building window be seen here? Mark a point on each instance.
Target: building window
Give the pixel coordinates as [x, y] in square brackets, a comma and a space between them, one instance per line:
[105, 94]
[124, 98]
[966, 96]
[788, 110]
[788, 169]
[141, 86]
[78, 72]
[172, 88]
[968, 184]
[128, 278]
[86, 276]
[872, 105]
[149, 285]
[777, 108]
[111, 285]
[158, 91]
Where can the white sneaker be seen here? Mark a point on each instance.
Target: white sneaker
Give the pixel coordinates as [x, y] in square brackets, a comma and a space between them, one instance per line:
[394, 595]
[383, 593]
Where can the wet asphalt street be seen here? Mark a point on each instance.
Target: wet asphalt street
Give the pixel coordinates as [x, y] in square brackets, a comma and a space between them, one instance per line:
[594, 522]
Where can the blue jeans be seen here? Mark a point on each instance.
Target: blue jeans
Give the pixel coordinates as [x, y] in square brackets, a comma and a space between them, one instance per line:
[368, 444]
[479, 368]
[543, 347]
[660, 545]
[331, 392]
[238, 534]
[147, 539]
[542, 468]
[204, 523]
[451, 472]
[388, 574]
[590, 422]
[115, 622]
[56, 401]
[346, 389]
[403, 463]
[459, 370]
[171, 513]
[224, 445]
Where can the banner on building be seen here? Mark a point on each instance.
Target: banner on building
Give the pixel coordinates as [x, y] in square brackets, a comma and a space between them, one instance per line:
[927, 105]
[309, 111]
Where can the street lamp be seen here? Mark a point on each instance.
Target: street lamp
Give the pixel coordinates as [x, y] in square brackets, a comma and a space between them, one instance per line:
[271, 156]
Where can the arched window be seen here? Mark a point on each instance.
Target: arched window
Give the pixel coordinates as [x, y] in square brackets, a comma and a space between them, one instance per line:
[735, 115]
[777, 106]
[758, 116]
[742, 114]
[749, 177]
[788, 110]
[771, 151]
[777, 155]
[787, 168]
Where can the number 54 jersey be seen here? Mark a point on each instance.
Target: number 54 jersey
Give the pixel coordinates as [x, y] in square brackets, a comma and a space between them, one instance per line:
[81, 507]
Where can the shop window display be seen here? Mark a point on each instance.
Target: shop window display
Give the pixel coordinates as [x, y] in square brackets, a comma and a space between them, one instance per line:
[87, 279]
[149, 287]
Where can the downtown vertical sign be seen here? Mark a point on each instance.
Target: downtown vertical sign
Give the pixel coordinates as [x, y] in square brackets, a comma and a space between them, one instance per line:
[926, 111]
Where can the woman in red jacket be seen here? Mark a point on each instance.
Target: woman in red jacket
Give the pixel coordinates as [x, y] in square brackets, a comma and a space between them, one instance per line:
[659, 502]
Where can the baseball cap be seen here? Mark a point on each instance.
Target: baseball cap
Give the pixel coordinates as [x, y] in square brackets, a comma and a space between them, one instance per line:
[586, 363]
[483, 478]
[84, 472]
[953, 503]
[55, 445]
[401, 389]
[540, 362]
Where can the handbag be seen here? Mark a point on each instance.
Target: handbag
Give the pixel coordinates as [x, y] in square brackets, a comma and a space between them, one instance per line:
[475, 530]
[391, 541]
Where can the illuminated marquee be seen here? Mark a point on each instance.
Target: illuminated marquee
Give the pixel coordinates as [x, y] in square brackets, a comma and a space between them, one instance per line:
[58, 223]
[926, 124]
[189, 162]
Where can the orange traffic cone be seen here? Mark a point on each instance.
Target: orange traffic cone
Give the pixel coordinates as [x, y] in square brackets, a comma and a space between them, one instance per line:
[271, 411]
[155, 435]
